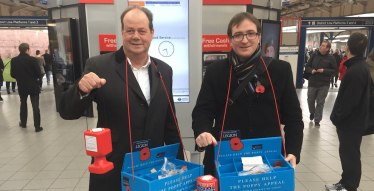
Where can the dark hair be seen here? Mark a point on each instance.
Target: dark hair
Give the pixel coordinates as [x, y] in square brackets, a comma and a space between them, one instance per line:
[37, 52]
[328, 44]
[371, 55]
[357, 44]
[145, 11]
[23, 47]
[239, 18]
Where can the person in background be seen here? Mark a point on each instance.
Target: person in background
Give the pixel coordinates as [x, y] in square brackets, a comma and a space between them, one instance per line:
[26, 70]
[1, 77]
[350, 113]
[7, 77]
[48, 66]
[41, 64]
[321, 67]
[334, 77]
[342, 68]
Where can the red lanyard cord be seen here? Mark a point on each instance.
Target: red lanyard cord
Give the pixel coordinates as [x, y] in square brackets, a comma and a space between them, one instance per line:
[128, 115]
[276, 107]
[224, 116]
[172, 111]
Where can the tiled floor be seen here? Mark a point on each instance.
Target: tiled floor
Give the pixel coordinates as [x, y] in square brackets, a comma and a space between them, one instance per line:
[55, 159]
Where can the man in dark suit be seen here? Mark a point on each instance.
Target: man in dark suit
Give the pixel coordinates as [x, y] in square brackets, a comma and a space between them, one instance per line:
[252, 112]
[48, 66]
[104, 82]
[26, 71]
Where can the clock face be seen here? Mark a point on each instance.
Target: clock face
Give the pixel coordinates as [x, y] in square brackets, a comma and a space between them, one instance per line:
[166, 48]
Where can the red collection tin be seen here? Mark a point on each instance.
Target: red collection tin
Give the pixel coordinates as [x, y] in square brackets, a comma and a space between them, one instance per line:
[207, 183]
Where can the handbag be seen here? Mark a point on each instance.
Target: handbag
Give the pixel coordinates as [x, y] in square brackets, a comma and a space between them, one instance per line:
[307, 74]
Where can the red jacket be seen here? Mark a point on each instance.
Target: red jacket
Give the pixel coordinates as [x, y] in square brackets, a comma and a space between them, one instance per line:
[342, 68]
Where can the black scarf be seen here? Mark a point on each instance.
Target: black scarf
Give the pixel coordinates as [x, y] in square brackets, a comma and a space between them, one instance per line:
[243, 68]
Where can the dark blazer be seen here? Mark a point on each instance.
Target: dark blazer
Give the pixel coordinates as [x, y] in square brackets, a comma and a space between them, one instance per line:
[153, 122]
[351, 108]
[255, 119]
[325, 62]
[26, 71]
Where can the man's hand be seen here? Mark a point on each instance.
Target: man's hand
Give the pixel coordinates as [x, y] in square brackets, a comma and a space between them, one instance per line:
[292, 159]
[320, 70]
[90, 81]
[314, 71]
[205, 139]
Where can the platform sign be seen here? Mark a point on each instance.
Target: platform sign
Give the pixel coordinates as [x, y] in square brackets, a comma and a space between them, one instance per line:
[338, 23]
[285, 2]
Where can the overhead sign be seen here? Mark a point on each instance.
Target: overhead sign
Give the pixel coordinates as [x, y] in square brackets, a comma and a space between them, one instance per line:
[216, 43]
[97, 1]
[107, 42]
[329, 23]
[285, 2]
[22, 23]
[227, 2]
[43, 2]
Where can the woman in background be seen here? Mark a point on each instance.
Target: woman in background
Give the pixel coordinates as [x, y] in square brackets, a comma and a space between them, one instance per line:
[6, 75]
[342, 68]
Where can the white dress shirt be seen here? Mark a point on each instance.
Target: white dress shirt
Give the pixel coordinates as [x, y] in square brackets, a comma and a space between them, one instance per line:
[142, 77]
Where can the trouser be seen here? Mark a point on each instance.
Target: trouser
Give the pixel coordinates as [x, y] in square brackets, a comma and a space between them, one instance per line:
[35, 107]
[350, 156]
[319, 95]
[41, 80]
[13, 85]
[48, 75]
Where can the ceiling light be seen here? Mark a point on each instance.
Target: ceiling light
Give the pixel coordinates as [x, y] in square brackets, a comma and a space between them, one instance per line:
[362, 15]
[318, 31]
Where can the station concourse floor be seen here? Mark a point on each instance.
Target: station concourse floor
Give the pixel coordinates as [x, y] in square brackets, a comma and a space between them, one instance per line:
[55, 158]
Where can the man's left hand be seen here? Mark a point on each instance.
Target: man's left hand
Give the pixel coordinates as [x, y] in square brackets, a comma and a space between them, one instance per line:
[320, 70]
[292, 159]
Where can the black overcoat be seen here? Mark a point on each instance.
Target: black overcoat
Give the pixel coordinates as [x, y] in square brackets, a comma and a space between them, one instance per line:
[153, 122]
[255, 119]
[25, 69]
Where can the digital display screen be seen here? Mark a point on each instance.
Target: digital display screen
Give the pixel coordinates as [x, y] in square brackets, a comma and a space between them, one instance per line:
[170, 41]
[270, 38]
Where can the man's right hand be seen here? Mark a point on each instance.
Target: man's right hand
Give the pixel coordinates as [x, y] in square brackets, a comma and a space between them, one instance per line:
[205, 139]
[90, 81]
[314, 71]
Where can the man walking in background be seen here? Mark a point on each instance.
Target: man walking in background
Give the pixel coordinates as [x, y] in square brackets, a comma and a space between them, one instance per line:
[48, 66]
[26, 71]
[321, 66]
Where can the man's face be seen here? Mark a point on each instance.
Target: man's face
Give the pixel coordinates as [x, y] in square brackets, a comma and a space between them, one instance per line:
[245, 48]
[323, 48]
[136, 34]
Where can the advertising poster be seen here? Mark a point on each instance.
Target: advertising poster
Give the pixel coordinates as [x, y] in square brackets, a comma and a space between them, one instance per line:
[270, 38]
[170, 40]
[290, 54]
[312, 40]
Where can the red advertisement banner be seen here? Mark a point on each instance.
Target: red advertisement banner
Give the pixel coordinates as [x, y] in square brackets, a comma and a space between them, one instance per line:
[216, 43]
[107, 42]
[227, 2]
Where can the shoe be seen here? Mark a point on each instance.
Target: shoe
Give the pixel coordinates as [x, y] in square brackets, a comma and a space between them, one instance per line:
[332, 87]
[38, 129]
[13, 90]
[311, 116]
[8, 91]
[335, 187]
[317, 124]
[21, 125]
[336, 85]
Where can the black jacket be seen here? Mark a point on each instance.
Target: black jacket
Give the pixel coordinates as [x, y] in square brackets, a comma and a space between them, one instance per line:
[26, 71]
[255, 119]
[351, 108]
[48, 62]
[318, 61]
[153, 122]
[1, 72]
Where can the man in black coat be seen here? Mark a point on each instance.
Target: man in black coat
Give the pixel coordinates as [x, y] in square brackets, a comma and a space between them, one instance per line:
[26, 71]
[48, 66]
[335, 77]
[321, 66]
[350, 113]
[104, 82]
[254, 114]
